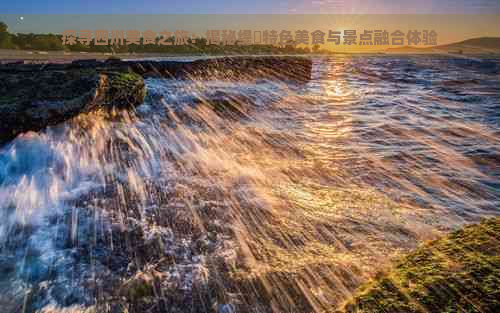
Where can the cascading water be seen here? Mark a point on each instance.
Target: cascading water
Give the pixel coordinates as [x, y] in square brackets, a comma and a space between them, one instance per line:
[246, 197]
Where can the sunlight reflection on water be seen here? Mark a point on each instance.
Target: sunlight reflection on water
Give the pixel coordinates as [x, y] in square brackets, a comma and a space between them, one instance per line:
[287, 201]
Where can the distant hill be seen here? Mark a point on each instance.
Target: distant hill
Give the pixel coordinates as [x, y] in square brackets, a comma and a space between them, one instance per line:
[482, 45]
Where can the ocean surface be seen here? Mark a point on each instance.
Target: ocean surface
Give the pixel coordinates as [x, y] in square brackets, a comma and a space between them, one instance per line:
[220, 196]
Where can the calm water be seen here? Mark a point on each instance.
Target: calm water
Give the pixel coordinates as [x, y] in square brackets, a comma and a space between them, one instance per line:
[285, 202]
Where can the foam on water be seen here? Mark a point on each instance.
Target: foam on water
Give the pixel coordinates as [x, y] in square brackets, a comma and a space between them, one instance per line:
[262, 197]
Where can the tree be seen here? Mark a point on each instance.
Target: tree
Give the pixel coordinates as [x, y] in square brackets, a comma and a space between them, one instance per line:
[78, 46]
[3, 27]
[5, 37]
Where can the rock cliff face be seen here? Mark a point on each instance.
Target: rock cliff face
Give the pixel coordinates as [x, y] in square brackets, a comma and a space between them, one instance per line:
[33, 96]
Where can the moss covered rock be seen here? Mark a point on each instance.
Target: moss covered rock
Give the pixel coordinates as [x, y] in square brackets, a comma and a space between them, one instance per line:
[32, 100]
[139, 287]
[124, 90]
[457, 273]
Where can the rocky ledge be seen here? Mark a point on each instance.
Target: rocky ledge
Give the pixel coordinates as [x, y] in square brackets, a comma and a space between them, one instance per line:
[33, 96]
[457, 273]
[288, 68]
[32, 100]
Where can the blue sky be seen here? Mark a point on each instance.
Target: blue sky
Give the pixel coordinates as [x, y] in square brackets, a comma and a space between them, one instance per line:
[197, 16]
[245, 6]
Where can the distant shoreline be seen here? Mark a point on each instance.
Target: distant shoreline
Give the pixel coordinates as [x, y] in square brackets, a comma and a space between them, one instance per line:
[35, 56]
[11, 54]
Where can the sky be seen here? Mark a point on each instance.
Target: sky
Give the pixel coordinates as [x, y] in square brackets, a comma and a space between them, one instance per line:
[453, 20]
[251, 7]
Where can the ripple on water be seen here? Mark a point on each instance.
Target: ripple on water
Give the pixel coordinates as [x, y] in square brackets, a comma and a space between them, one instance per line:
[250, 197]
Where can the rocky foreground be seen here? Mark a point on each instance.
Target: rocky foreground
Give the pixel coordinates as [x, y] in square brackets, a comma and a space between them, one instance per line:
[30, 101]
[457, 273]
[33, 96]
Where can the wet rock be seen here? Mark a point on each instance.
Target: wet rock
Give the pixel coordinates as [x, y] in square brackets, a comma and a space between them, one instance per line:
[33, 96]
[32, 100]
[457, 273]
[139, 287]
[227, 68]
[291, 68]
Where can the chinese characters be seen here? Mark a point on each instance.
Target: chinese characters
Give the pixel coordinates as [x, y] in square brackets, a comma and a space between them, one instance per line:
[247, 37]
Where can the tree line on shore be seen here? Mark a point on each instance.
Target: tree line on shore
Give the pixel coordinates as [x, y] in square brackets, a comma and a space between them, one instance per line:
[53, 42]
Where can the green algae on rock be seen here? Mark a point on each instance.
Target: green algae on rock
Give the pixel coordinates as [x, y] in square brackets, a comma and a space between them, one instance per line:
[32, 101]
[124, 90]
[457, 273]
